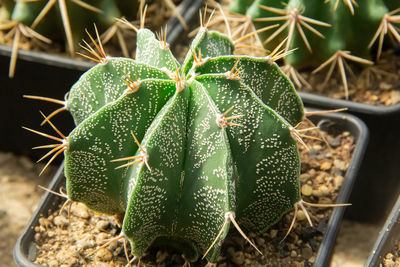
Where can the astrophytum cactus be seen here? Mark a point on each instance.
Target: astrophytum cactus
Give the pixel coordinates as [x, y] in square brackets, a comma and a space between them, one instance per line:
[321, 27]
[184, 151]
[325, 32]
[65, 21]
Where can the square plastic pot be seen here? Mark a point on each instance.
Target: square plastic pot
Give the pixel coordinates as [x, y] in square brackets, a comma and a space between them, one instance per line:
[388, 236]
[380, 168]
[43, 74]
[25, 249]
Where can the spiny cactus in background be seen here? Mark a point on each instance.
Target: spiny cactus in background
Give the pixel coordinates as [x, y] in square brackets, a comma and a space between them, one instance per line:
[183, 151]
[59, 20]
[325, 32]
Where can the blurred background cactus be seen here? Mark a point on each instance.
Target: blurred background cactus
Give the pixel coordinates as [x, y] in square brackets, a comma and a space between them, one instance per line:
[326, 32]
[59, 25]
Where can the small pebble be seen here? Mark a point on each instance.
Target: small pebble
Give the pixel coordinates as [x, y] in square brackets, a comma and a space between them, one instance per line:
[339, 164]
[238, 258]
[389, 256]
[37, 237]
[102, 225]
[103, 254]
[230, 251]
[337, 171]
[260, 241]
[306, 252]
[334, 142]
[306, 190]
[79, 210]
[338, 181]
[300, 215]
[66, 257]
[60, 221]
[320, 178]
[326, 165]
[321, 191]
[274, 233]
[317, 193]
[385, 85]
[84, 243]
[239, 240]
[52, 263]
[324, 190]
[45, 222]
[293, 254]
[248, 262]
[317, 147]
[304, 177]
[101, 237]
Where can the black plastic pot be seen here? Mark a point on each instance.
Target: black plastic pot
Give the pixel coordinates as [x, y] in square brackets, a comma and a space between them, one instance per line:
[320, 101]
[42, 74]
[388, 236]
[25, 250]
[379, 187]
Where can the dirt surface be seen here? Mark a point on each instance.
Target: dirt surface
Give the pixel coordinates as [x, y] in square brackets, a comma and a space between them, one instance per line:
[75, 238]
[376, 85]
[354, 243]
[19, 196]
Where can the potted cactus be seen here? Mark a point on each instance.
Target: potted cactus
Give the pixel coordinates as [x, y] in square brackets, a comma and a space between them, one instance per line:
[325, 33]
[184, 152]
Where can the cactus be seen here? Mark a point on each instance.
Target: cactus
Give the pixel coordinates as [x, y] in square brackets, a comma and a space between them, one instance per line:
[183, 151]
[64, 21]
[324, 32]
[43, 17]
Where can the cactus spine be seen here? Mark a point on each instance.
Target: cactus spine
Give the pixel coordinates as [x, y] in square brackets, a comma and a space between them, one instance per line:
[183, 151]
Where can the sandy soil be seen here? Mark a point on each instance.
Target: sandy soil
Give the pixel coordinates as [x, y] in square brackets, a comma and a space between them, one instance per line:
[19, 196]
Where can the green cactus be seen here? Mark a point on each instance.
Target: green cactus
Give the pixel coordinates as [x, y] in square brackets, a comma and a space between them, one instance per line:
[65, 21]
[324, 32]
[351, 27]
[212, 139]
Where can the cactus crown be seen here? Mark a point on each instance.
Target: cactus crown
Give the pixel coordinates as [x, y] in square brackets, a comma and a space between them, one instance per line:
[183, 151]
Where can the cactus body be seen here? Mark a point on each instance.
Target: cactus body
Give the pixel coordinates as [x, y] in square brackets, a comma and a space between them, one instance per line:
[196, 167]
[348, 32]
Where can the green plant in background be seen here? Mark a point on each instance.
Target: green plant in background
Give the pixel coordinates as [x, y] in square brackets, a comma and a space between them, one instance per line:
[183, 151]
[66, 20]
[325, 32]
